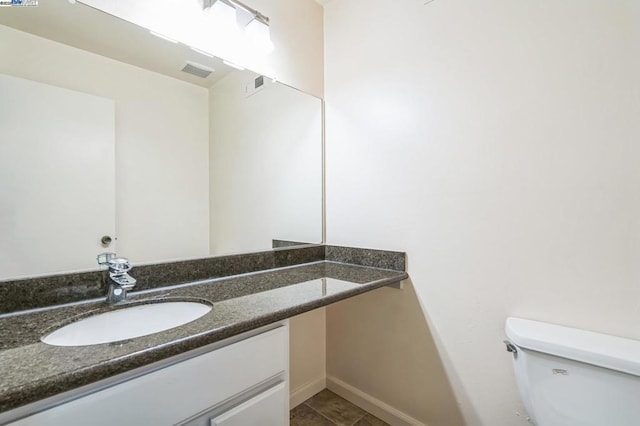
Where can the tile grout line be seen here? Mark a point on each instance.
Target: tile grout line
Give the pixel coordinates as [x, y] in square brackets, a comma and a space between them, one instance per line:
[320, 414]
[362, 417]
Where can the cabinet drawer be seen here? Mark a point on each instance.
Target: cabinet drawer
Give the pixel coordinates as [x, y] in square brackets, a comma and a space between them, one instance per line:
[266, 409]
[177, 392]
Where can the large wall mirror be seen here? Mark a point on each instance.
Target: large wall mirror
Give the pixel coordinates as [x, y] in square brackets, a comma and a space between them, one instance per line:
[113, 139]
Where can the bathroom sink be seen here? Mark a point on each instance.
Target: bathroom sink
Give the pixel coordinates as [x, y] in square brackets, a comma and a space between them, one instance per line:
[126, 323]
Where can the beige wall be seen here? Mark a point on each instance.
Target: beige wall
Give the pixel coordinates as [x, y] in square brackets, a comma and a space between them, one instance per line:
[307, 355]
[162, 168]
[496, 142]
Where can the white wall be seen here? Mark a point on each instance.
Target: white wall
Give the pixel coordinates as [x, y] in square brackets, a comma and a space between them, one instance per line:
[265, 165]
[162, 143]
[497, 143]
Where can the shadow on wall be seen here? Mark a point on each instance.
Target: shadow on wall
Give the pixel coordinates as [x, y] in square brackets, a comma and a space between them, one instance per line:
[380, 344]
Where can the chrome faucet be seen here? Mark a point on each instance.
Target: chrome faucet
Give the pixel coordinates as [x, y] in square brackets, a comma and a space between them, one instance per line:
[119, 279]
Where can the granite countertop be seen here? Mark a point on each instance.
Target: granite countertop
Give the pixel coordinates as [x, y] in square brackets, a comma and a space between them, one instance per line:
[31, 370]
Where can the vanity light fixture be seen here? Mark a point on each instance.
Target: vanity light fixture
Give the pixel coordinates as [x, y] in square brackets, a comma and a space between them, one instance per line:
[235, 5]
[223, 16]
[241, 24]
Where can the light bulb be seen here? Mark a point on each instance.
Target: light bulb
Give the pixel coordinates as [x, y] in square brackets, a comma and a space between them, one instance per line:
[224, 35]
[223, 15]
[259, 37]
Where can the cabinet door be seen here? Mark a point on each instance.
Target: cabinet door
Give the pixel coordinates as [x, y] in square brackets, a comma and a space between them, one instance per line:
[266, 409]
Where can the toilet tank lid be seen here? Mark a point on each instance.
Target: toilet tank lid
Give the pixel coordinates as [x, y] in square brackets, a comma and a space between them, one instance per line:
[615, 353]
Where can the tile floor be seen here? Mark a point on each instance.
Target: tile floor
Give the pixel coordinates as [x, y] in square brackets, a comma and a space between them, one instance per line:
[328, 409]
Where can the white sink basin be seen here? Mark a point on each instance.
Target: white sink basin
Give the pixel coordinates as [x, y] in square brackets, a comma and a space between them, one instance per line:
[126, 323]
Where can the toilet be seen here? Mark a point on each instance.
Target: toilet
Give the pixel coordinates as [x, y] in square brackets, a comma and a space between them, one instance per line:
[571, 377]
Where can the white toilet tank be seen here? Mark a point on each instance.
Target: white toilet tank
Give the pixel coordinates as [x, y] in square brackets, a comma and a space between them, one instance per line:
[571, 377]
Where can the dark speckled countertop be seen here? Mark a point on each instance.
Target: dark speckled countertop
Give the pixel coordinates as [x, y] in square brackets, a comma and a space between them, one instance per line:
[31, 370]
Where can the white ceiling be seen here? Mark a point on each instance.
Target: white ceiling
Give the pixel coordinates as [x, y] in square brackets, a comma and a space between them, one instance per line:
[88, 29]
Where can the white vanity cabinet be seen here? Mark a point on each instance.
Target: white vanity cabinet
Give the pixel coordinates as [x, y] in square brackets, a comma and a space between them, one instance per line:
[241, 381]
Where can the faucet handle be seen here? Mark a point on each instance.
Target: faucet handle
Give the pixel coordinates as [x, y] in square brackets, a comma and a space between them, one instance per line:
[124, 281]
[119, 279]
[119, 265]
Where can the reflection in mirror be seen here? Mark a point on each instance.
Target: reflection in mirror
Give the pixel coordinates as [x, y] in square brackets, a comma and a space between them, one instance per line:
[203, 166]
[43, 128]
[265, 162]
[228, 29]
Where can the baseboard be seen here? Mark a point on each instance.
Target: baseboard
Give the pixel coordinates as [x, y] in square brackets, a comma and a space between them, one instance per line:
[306, 391]
[374, 406]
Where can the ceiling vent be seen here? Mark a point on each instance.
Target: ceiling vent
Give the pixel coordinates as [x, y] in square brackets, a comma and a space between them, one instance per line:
[196, 69]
